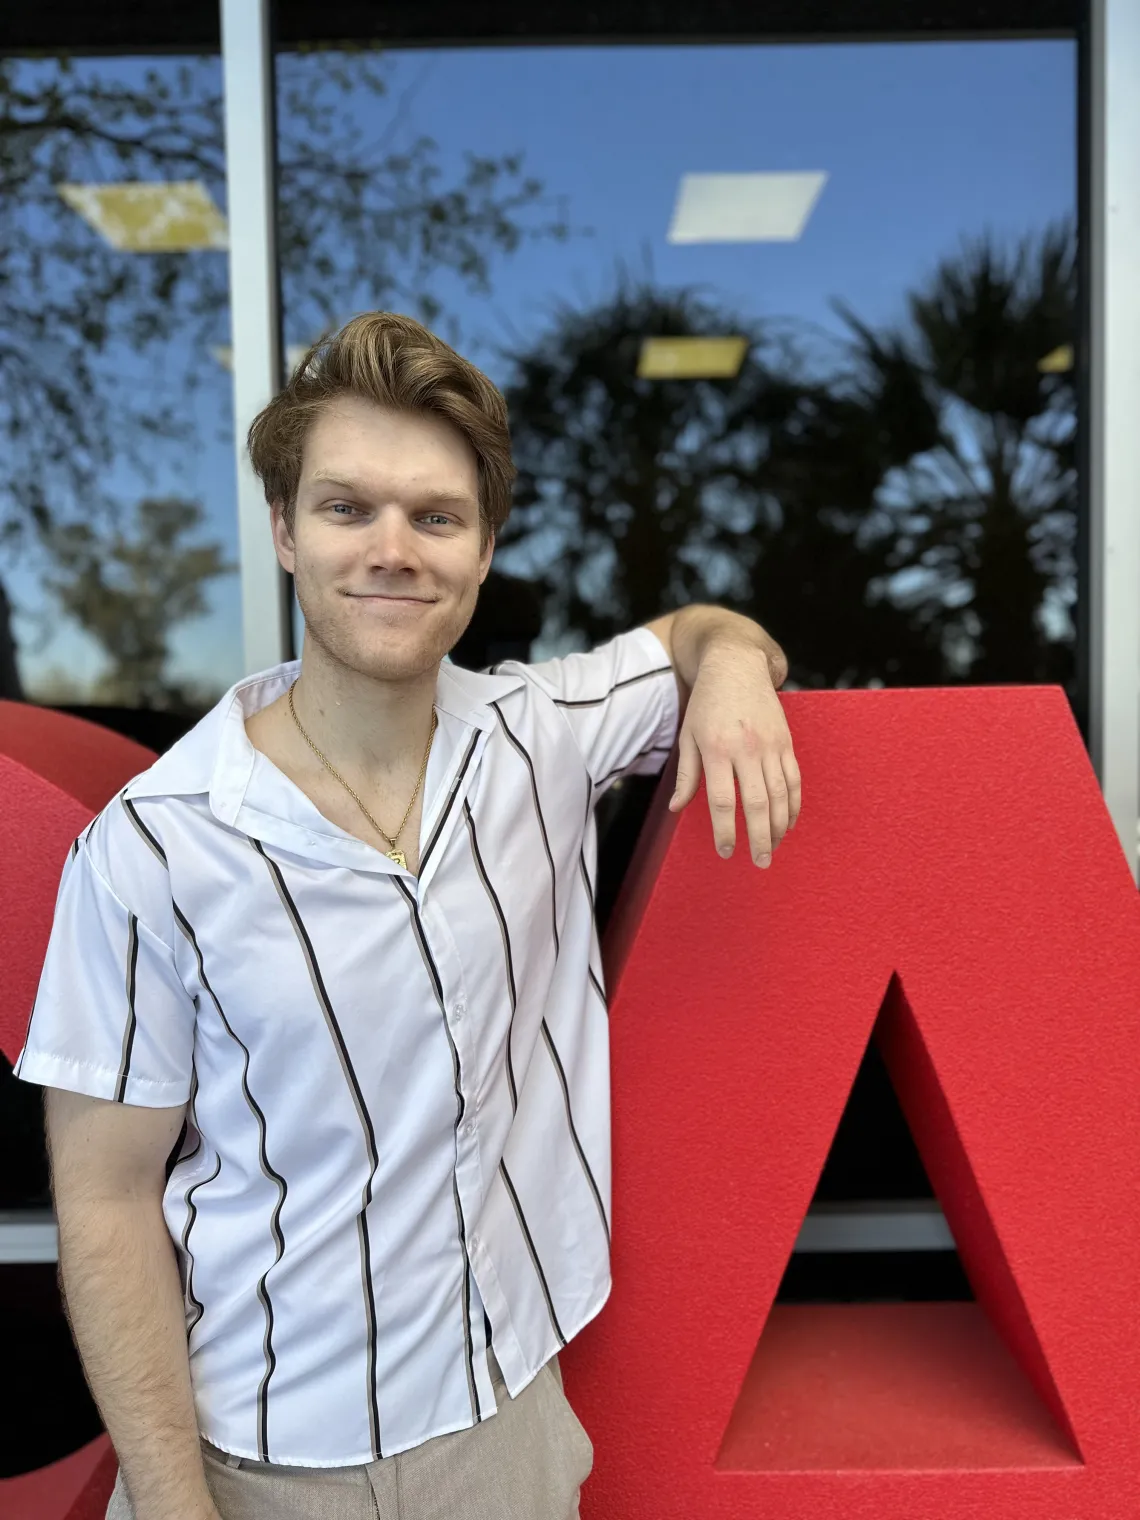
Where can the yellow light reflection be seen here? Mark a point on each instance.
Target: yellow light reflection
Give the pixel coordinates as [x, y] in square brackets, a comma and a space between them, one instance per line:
[1058, 362]
[170, 216]
[691, 358]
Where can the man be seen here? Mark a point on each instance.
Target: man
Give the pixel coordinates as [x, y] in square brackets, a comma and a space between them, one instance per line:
[321, 1018]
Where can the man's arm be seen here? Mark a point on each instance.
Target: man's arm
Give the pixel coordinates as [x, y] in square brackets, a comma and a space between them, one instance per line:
[123, 1294]
[690, 631]
[734, 728]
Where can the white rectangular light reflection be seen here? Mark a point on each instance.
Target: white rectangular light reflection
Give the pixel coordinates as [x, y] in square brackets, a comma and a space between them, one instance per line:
[744, 208]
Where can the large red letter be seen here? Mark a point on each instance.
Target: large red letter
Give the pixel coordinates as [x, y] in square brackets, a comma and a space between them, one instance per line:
[56, 772]
[955, 870]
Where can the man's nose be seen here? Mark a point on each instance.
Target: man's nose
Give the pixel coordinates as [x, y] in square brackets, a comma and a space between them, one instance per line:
[392, 543]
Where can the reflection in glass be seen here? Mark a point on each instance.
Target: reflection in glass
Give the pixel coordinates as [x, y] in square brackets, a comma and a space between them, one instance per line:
[771, 334]
[744, 208]
[117, 513]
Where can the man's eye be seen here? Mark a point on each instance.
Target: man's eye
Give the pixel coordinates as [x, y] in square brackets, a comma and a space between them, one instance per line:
[342, 507]
[439, 517]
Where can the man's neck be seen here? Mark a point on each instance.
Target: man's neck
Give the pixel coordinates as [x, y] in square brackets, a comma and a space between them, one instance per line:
[374, 728]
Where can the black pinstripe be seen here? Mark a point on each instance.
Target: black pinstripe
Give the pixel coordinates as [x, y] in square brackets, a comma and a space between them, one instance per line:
[180, 1160]
[460, 1110]
[589, 885]
[514, 1197]
[365, 1118]
[560, 1069]
[129, 1031]
[582, 847]
[521, 749]
[451, 796]
[505, 932]
[659, 670]
[652, 749]
[192, 1214]
[141, 829]
[274, 1176]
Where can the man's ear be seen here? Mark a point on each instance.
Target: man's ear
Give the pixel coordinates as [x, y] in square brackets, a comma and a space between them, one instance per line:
[282, 537]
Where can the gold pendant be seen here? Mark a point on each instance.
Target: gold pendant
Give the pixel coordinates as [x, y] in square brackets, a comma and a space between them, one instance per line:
[399, 857]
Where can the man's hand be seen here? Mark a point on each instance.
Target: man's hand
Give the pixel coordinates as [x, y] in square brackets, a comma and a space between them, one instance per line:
[734, 727]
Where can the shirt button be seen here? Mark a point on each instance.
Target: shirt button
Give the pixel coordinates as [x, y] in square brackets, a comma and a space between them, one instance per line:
[460, 1009]
[469, 1128]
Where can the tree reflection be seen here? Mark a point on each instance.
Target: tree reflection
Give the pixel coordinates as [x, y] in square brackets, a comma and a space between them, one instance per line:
[903, 512]
[898, 506]
[129, 589]
[972, 412]
[101, 350]
[633, 492]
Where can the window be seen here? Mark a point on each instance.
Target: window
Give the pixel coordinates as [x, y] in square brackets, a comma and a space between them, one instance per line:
[118, 585]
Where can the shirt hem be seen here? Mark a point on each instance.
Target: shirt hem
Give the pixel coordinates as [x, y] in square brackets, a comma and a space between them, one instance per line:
[367, 1459]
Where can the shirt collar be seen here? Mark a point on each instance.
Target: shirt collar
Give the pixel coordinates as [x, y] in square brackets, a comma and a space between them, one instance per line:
[216, 757]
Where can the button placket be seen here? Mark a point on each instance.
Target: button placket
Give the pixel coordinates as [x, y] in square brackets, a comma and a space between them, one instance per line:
[456, 1011]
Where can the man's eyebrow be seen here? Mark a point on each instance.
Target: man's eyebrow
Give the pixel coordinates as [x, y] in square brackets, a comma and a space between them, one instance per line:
[324, 479]
[432, 495]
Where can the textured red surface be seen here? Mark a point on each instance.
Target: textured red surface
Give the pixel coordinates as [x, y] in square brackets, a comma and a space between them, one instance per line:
[89, 762]
[74, 1488]
[56, 772]
[883, 1386]
[954, 866]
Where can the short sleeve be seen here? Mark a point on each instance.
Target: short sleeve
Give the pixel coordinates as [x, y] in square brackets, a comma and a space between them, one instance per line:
[620, 701]
[112, 1018]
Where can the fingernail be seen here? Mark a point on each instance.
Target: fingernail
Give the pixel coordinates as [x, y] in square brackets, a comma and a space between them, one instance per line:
[726, 850]
[763, 861]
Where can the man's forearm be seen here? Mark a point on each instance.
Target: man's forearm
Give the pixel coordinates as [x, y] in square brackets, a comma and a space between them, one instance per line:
[124, 1300]
[692, 631]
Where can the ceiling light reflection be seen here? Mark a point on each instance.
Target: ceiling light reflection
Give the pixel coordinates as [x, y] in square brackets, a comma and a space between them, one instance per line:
[691, 358]
[744, 208]
[142, 216]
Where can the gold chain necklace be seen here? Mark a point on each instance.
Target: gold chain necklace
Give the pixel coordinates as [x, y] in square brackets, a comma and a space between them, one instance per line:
[392, 852]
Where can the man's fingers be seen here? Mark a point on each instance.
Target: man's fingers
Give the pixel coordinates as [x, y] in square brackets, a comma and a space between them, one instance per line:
[778, 800]
[720, 785]
[688, 772]
[791, 772]
[757, 814]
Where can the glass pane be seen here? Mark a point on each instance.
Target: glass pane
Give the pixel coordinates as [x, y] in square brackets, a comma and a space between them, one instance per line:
[119, 591]
[873, 450]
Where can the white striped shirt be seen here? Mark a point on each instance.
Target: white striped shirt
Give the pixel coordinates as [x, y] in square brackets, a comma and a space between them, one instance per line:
[398, 1087]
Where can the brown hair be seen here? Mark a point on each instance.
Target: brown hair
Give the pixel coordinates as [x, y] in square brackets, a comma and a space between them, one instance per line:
[396, 362]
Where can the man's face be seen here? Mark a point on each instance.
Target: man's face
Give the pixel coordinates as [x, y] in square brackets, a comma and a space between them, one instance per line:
[385, 549]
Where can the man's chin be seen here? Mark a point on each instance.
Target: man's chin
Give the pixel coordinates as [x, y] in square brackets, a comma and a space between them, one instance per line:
[392, 660]
[392, 664]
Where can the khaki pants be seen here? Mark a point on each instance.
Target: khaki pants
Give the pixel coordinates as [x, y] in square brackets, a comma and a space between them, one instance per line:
[525, 1464]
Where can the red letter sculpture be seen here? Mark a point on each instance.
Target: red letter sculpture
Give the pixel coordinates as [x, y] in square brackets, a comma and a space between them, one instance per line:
[954, 883]
[56, 772]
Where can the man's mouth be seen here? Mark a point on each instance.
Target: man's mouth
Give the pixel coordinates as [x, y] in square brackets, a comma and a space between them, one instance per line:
[383, 596]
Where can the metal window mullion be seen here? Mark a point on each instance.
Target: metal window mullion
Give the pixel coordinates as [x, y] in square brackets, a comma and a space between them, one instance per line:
[30, 1235]
[1114, 412]
[247, 69]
